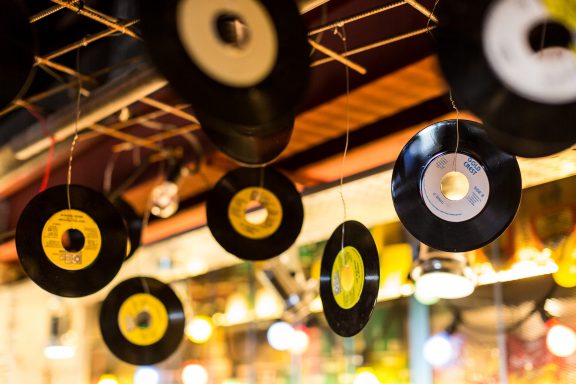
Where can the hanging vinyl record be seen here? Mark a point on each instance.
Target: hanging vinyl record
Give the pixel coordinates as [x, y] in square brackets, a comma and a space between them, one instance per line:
[17, 44]
[349, 278]
[249, 144]
[513, 63]
[142, 321]
[243, 61]
[455, 202]
[265, 233]
[133, 224]
[70, 252]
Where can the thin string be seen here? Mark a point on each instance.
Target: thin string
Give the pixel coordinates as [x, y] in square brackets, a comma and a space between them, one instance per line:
[260, 185]
[457, 129]
[75, 139]
[342, 36]
[110, 165]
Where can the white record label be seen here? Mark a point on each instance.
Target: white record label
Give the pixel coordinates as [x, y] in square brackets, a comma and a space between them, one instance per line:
[455, 210]
[547, 76]
[244, 65]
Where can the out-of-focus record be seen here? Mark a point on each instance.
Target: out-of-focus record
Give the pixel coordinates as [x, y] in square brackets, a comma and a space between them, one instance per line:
[142, 321]
[455, 203]
[243, 61]
[17, 44]
[513, 63]
[133, 225]
[249, 144]
[349, 278]
[265, 232]
[71, 252]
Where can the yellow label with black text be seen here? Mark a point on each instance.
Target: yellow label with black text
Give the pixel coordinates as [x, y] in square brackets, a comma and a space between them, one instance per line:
[347, 277]
[143, 319]
[57, 226]
[259, 229]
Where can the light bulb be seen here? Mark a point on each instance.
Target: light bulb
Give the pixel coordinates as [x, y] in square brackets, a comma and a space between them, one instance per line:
[267, 305]
[146, 375]
[199, 329]
[108, 379]
[194, 374]
[424, 297]
[439, 350]
[164, 199]
[59, 352]
[236, 309]
[561, 340]
[300, 342]
[280, 335]
[366, 377]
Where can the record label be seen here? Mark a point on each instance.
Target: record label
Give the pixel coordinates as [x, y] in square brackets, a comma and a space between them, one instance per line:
[460, 209]
[56, 228]
[347, 277]
[271, 207]
[143, 319]
[546, 76]
[205, 28]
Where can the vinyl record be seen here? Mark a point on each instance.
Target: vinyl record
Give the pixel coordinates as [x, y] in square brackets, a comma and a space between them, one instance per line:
[75, 252]
[512, 63]
[229, 200]
[243, 61]
[349, 278]
[17, 44]
[142, 321]
[133, 224]
[248, 144]
[472, 215]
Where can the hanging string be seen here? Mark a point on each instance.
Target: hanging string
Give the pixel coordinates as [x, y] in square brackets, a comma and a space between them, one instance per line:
[457, 129]
[108, 171]
[43, 124]
[342, 36]
[75, 139]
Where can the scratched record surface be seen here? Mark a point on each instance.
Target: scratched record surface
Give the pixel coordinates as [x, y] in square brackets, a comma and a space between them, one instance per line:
[133, 224]
[244, 61]
[249, 237]
[249, 144]
[71, 252]
[455, 204]
[513, 63]
[17, 44]
[142, 321]
[349, 278]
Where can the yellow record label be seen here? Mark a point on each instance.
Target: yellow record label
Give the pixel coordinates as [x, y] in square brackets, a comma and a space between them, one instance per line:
[563, 10]
[237, 213]
[347, 277]
[143, 319]
[55, 229]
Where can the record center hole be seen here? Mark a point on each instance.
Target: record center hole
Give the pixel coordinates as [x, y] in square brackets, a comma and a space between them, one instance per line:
[549, 34]
[347, 278]
[255, 213]
[143, 319]
[454, 186]
[73, 240]
[232, 30]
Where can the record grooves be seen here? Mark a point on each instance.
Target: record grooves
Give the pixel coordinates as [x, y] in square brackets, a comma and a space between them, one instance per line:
[349, 278]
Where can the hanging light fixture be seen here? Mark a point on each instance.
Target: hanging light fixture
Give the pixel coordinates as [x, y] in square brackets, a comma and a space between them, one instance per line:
[443, 275]
[164, 197]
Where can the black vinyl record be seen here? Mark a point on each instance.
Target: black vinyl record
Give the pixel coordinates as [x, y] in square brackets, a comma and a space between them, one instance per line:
[504, 61]
[70, 253]
[481, 212]
[133, 225]
[349, 278]
[247, 144]
[17, 44]
[142, 321]
[242, 61]
[231, 197]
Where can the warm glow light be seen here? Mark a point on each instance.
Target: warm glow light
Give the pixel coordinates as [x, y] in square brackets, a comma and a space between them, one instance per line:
[424, 297]
[366, 377]
[199, 329]
[194, 374]
[146, 375]
[439, 350]
[300, 342]
[561, 340]
[280, 335]
[108, 379]
[59, 352]
[267, 305]
[444, 285]
[164, 199]
[236, 309]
